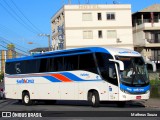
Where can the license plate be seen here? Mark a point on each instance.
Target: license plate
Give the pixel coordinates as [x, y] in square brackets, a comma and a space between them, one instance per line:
[138, 97]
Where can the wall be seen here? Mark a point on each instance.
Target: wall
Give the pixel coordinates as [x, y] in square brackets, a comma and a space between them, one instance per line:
[74, 26]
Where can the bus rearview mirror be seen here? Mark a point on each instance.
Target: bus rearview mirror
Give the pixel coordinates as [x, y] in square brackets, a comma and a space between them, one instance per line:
[121, 64]
[153, 65]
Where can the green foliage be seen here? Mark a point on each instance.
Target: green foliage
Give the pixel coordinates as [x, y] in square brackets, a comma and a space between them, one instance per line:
[155, 88]
[155, 82]
[154, 92]
[1, 76]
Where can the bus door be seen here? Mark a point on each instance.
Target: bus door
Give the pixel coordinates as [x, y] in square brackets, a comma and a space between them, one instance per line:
[112, 82]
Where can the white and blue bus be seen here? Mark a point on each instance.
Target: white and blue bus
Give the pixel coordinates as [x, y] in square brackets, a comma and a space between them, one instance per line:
[93, 74]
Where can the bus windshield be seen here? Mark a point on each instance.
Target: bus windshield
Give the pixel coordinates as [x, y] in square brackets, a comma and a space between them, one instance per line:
[135, 71]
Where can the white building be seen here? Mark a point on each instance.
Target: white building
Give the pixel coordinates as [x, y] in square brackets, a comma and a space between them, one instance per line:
[146, 32]
[92, 25]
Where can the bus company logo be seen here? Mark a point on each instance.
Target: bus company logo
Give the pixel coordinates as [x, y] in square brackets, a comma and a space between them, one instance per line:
[128, 52]
[129, 89]
[138, 90]
[24, 81]
[84, 75]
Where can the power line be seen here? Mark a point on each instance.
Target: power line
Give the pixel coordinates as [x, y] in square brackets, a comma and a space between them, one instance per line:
[13, 50]
[15, 13]
[9, 42]
[5, 29]
[22, 23]
[26, 17]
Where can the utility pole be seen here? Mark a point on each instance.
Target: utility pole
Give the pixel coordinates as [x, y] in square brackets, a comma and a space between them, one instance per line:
[49, 37]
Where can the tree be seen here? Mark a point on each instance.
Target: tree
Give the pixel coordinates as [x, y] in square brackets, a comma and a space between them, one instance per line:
[1, 76]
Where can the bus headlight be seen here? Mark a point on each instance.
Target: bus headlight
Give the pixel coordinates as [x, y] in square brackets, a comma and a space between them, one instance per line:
[124, 96]
[125, 91]
[147, 91]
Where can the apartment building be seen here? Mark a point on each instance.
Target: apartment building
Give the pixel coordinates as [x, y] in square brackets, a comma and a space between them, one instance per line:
[146, 32]
[92, 25]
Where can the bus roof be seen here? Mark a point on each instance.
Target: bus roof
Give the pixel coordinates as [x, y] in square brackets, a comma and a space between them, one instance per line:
[67, 52]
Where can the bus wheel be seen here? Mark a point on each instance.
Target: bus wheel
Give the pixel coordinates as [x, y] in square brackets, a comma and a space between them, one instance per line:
[121, 103]
[26, 99]
[94, 99]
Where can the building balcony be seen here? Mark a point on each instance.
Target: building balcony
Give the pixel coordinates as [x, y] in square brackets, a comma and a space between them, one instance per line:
[152, 43]
[147, 26]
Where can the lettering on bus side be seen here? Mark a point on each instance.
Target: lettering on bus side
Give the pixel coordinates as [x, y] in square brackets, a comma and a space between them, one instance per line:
[84, 74]
[24, 81]
[126, 52]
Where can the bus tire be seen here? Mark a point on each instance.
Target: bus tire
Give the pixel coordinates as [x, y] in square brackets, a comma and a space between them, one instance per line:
[121, 103]
[93, 98]
[26, 99]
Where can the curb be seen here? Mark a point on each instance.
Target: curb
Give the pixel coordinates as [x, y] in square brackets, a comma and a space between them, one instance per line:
[3, 101]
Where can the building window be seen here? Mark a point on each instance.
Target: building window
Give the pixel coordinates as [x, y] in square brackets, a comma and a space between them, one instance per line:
[99, 15]
[110, 16]
[87, 35]
[100, 34]
[111, 34]
[87, 16]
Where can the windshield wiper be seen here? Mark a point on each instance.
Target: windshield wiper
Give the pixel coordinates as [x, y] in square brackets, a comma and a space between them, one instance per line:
[141, 76]
[134, 71]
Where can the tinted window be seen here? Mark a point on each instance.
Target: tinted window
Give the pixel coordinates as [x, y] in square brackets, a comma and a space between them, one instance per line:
[31, 66]
[87, 63]
[43, 65]
[16, 67]
[68, 63]
[71, 63]
[9, 68]
[51, 65]
[107, 68]
[58, 64]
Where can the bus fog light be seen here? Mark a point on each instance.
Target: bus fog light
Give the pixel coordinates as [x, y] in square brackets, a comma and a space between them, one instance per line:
[124, 96]
[147, 91]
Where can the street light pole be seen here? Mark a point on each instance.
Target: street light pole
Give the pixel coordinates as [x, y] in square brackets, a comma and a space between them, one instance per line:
[49, 42]
[49, 37]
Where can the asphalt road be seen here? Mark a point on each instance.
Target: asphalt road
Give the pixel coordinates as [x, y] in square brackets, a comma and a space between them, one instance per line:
[78, 110]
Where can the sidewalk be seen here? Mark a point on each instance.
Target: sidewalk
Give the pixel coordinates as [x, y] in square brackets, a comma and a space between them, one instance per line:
[3, 100]
[152, 102]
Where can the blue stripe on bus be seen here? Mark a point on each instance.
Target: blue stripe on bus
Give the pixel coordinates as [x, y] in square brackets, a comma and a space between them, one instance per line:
[52, 79]
[134, 89]
[48, 54]
[72, 76]
[75, 78]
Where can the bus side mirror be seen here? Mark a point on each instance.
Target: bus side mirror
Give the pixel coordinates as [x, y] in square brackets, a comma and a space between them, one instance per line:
[121, 64]
[153, 65]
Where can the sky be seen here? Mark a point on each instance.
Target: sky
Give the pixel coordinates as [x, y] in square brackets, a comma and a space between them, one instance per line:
[21, 21]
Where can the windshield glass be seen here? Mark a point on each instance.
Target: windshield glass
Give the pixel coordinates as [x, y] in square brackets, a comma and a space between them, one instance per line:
[135, 72]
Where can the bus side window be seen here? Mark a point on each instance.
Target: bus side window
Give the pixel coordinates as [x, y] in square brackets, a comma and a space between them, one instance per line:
[71, 63]
[58, 64]
[87, 63]
[107, 69]
[112, 71]
[17, 67]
